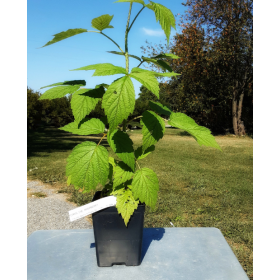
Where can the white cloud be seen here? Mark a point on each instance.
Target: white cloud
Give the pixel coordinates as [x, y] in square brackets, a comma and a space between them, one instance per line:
[152, 32]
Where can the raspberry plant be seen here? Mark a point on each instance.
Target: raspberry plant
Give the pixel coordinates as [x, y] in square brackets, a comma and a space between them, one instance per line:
[89, 163]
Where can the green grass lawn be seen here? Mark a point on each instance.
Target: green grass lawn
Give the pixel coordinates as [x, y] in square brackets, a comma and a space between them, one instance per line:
[199, 186]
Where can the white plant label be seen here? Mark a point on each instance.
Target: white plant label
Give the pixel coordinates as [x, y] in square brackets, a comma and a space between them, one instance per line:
[92, 207]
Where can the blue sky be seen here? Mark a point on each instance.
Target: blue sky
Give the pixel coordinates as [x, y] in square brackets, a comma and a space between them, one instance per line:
[51, 64]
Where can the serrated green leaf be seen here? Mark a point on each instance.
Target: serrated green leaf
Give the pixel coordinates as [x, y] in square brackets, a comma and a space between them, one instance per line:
[88, 165]
[139, 153]
[156, 74]
[65, 34]
[92, 126]
[69, 180]
[145, 186]
[70, 83]
[119, 101]
[102, 22]
[162, 64]
[126, 204]
[159, 108]
[121, 53]
[112, 161]
[140, 70]
[168, 74]
[148, 80]
[153, 129]
[166, 55]
[164, 16]
[104, 85]
[58, 92]
[97, 92]
[82, 105]
[122, 173]
[201, 134]
[112, 166]
[103, 69]
[122, 145]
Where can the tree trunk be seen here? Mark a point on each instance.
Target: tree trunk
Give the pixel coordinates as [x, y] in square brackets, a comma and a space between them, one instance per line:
[240, 125]
[234, 109]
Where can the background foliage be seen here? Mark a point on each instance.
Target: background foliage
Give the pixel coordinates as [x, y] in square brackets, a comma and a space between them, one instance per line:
[47, 112]
[216, 66]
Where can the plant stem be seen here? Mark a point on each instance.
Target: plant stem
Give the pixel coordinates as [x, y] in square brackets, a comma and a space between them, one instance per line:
[126, 35]
[138, 164]
[140, 63]
[112, 41]
[135, 18]
[135, 119]
[124, 126]
[101, 138]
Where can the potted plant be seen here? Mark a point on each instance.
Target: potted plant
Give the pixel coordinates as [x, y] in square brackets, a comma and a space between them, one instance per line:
[118, 230]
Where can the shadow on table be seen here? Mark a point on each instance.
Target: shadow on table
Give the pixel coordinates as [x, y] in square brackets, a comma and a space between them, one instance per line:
[149, 235]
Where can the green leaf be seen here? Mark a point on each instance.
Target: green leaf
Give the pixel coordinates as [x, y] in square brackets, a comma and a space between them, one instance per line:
[97, 92]
[168, 74]
[82, 105]
[140, 70]
[148, 80]
[88, 165]
[139, 153]
[166, 55]
[159, 108]
[119, 101]
[65, 34]
[103, 69]
[112, 166]
[122, 145]
[122, 173]
[162, 64]
[69, 180]
[121, 53]
[164, 16]
[104, 85]
[153, 129]
[201, 134]
[156, 74]
[70, 83]
[134, 1]
[145, 186]
[58, 92]
[126, 204]
[92, 126]
[104, 120]
[102, 22]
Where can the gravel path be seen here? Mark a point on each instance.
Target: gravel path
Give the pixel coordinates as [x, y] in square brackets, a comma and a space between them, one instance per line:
[50, 212]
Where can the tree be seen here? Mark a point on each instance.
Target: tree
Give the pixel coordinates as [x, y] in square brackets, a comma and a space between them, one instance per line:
[215, 46]
[228, 27]
[34, 108]
[44, 112]
[142, 103]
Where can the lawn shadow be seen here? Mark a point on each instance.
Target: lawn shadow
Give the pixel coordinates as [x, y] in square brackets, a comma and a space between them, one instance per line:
[51, 139]
[150, 235]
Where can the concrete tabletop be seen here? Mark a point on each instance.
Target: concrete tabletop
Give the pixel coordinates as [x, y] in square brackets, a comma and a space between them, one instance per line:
[167, 253]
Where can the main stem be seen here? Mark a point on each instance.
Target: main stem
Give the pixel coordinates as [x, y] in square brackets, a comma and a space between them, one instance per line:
[126, 35]
[126, 52]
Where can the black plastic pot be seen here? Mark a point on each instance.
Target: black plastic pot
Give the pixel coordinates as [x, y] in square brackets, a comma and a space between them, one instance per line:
[115, 243]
